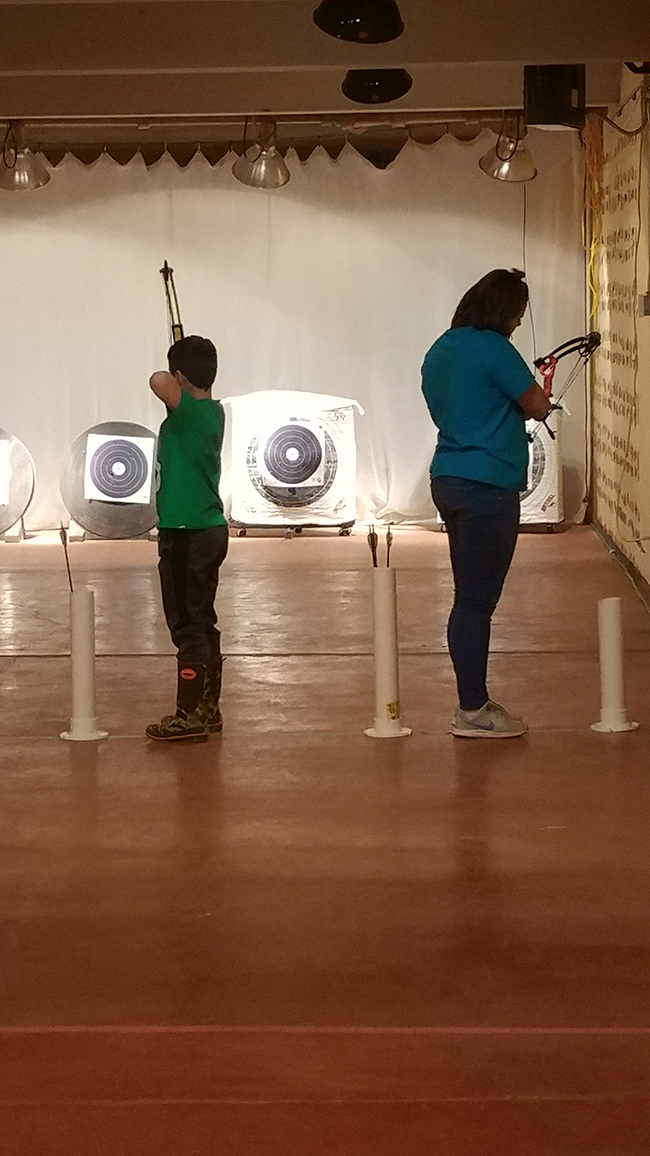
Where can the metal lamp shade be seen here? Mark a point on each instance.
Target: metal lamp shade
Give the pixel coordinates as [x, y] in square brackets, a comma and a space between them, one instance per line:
[376, 86]
[268, 170]
[517, 167]
[26, 174]
[360, 21]
[242, 169]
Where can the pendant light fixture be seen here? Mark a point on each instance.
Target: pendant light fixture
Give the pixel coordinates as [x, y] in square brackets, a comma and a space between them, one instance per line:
[509, 160]
[20, 169]
[360, 21]
[376, 86]
[266, 169]
[242, 168]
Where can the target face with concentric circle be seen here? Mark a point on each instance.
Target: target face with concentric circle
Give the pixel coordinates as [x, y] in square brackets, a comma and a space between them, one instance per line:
[118, 469]
[293, 456]
[291, 495]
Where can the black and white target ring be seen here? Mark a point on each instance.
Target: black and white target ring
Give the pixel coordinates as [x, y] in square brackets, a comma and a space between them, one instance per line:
[118, 469]
[287, 495]
[292, 454]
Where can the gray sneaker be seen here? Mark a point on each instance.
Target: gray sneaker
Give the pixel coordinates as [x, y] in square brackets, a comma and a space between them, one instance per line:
[492, 721]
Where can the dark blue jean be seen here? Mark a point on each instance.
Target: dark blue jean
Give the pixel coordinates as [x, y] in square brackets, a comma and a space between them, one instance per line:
[482, 522]
[188, 565]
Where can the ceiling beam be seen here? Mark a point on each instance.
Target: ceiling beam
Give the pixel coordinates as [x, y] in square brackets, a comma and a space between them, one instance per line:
[452, 87]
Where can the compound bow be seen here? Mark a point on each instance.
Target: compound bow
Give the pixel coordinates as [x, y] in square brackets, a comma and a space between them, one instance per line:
[585, 347]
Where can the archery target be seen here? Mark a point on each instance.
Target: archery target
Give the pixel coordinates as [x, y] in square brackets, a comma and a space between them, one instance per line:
[292, 459]
[537, 466]
[118, 469]
[541, 501]
[17, 480]
[294, 455]
[4, 472]
[276, 482]
[107, 480]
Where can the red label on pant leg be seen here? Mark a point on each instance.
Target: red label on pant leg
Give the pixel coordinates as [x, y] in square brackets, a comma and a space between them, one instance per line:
[188, 674]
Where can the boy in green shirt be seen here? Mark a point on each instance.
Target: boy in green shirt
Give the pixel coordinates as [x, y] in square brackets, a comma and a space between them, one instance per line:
[192, 533]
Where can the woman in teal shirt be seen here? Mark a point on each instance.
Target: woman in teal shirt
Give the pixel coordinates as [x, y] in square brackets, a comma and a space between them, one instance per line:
[480, 392]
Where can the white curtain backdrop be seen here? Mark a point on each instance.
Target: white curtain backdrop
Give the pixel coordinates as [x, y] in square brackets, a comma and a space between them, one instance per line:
[337, 283]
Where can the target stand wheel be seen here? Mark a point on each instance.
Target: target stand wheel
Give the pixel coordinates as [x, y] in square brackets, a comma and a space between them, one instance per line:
[117, 470]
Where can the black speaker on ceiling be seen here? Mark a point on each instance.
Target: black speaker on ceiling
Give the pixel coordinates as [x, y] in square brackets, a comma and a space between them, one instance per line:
[376, 86]
[360, 21]
[554, 94]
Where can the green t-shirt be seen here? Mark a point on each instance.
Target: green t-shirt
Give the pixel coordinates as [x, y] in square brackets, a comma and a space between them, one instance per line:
[189, 464]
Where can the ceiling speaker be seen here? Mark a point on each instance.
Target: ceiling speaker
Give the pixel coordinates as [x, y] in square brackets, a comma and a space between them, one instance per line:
[554, 94]
[376, 86]
[360, 21]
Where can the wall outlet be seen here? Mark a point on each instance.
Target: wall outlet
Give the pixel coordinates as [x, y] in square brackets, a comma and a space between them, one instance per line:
[644, 305]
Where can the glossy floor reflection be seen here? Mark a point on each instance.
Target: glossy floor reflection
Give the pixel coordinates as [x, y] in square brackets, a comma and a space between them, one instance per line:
[295, 940]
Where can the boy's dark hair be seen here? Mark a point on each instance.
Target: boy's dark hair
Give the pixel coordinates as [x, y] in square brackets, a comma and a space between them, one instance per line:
[494, 302]
[196, 358]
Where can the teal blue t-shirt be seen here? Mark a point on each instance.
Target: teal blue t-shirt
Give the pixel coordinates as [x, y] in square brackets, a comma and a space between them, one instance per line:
[470, 380]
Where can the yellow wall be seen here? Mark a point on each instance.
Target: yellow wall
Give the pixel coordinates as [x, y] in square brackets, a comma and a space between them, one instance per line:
[621, 368]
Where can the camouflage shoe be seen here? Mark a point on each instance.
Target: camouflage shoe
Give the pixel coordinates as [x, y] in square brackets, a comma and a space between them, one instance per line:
[181, 725]
[213, 694]
[215, 720]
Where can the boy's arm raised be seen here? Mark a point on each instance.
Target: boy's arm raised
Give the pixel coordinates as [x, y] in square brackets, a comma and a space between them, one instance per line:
[166, 386]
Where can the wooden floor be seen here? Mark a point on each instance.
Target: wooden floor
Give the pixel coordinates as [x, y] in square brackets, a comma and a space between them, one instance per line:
[297, 941]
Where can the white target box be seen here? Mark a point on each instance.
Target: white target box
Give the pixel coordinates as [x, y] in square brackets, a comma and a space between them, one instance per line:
[119, 469]
[293, 458]
[5, 472]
